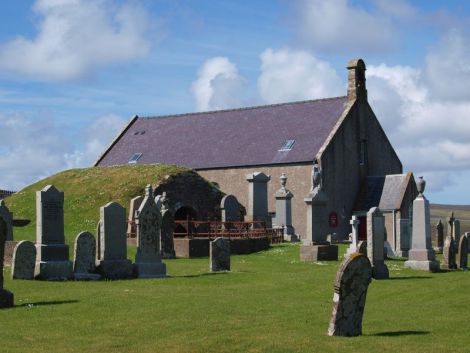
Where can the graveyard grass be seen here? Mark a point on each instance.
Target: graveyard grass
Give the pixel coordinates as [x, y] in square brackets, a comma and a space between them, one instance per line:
[270, 302]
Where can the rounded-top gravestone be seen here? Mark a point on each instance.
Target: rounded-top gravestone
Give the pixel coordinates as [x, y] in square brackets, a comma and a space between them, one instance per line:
[24, 260]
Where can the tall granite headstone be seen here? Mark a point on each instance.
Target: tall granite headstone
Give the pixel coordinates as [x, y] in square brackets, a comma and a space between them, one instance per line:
[463, 252]
[404, 238]
[421, 255]
[148, 261]
[52, 254]
[219, 255]
[375, 243]
[450, 224]
[7, 217]
[167, 245]
[467, 234]
[349, 299]
[439, 237]
[24, 260]
[352, 248]
[111, 254]
[315, 246]
[229, 209]
[133, 206]
[449, 254]
[258, 197]
[283, 198]
[6, 297]
[456, 230]
[84, 265]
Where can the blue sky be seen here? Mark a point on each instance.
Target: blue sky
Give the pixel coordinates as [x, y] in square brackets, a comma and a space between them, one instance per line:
[72, 72]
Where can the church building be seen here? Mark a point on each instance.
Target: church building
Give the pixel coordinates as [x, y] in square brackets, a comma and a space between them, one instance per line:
[341, 134]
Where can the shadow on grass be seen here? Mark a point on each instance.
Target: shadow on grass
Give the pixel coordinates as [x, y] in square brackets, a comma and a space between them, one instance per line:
[52, 302]
[400, 333]
[411, 277]
[203, 274]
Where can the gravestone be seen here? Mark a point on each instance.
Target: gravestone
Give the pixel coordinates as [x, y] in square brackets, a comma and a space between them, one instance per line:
[449, 254]
[148, 262]
[439, 237]
[404, 241]
[6, 297]
[314, 246]
[467, 234]
[456, 230]
[219, 255]
[284, 210]
[258, 197]
[52, 254]
[421, 255]
[133, 206]
[84, 257]
[463, 252]
[352, 248]
[167, 245]
[450, 224]
[7, 218]
[375, 243]
[24, 260]
[111, 254]
[349, 299]
[229, 209]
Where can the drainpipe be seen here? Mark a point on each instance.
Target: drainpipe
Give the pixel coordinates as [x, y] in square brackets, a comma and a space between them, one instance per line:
[394, 232]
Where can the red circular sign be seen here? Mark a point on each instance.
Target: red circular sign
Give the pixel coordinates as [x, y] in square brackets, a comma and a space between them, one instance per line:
[333, 219]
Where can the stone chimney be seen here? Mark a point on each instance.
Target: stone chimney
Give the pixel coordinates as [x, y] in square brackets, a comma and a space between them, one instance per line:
[356, 80]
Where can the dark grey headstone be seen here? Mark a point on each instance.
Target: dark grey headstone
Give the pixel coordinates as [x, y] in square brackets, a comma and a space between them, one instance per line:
[220, 255]
[167, 243]
[84, 257]
[440, 235]
[6, 297]
[24, 260]
[7, 218]
[352, 280]
[230, 209]
[463, 252]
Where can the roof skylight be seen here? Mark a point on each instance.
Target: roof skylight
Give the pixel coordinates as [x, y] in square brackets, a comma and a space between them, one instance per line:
[287, 146]
[135, 157]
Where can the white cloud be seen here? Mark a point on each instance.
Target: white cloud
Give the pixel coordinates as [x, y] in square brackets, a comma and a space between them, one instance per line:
[337, 25]
[448, 67]
[218, 85]
[75, 37]
[34, 148]
[289, 75]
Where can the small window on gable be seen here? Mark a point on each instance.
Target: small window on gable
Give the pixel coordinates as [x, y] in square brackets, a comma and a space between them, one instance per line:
[135, 157]
[287, 146]
[363, 153]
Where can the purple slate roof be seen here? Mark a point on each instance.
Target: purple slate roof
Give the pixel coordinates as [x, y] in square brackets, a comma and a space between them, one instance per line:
[228, 138]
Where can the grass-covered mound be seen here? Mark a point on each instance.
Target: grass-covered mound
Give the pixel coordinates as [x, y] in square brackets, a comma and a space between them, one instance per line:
[85, 191]
[270, 302]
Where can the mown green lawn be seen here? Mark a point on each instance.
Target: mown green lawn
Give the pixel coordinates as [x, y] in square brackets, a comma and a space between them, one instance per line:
[270, 302]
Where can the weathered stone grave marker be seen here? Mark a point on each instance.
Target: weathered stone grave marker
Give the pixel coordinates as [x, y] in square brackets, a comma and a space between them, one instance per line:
[219, 255]
[6, 297]
[421, 255]
[7, 218]
[449, 254]
[229, 208]
[167, 244]
[283, 198]
[463, 252]
[258, 197]
[351, 284]
[456, 230]
[52, 254]
[133, 206]
[24, 260]
[375, 243]
[84, 257]
[111, 255]
[352, 248]
[439, 237]
[148, 262]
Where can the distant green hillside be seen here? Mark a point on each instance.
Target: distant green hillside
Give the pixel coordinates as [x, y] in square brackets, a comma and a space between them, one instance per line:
[85, 191]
